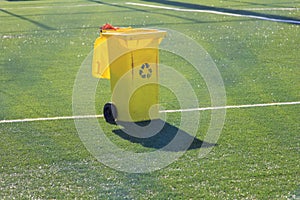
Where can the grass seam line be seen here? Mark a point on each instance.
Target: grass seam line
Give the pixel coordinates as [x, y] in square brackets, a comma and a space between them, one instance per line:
[46, 7]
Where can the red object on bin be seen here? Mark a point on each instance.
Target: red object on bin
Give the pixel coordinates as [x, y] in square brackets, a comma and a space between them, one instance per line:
[108, 27]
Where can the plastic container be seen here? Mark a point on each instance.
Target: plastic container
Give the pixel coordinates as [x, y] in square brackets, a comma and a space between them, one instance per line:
[129, 58]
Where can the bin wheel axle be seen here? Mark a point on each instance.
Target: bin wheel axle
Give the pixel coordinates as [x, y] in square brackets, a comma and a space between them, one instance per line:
[110, 113]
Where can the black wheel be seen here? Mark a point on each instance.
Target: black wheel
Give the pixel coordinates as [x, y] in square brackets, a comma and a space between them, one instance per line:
[110, 113]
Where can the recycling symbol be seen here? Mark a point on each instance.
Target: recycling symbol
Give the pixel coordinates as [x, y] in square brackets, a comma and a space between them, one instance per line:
[145, 71]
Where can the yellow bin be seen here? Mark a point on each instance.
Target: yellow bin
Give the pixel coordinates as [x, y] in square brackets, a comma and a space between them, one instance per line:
[129, 58]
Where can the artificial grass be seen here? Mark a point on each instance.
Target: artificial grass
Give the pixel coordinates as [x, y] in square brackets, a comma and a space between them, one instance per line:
[256, 156]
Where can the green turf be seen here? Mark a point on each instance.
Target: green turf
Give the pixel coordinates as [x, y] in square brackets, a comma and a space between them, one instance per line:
[43, 44]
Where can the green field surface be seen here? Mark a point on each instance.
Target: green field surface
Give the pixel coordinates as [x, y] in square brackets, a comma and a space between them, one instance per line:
[43, 45]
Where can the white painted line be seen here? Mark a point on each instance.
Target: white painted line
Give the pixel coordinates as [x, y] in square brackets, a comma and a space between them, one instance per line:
[214, 12]
[50, 118]
[162, 111]
[232, 107]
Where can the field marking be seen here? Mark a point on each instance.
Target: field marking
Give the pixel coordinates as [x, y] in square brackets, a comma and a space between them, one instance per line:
[232, 107]
[214, 12]
[162, 111]
[50, 118]
[130, 3]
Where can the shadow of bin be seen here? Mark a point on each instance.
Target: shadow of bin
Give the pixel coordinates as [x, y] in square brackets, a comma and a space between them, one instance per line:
[129, 58]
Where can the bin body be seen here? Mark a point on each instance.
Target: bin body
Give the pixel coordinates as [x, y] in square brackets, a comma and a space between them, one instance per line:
[129, 58]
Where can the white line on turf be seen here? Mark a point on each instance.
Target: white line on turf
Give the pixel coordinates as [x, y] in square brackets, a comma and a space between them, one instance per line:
[214, 12]
[162, 111]
[50, 118]
[99, 4]
[232, 107]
